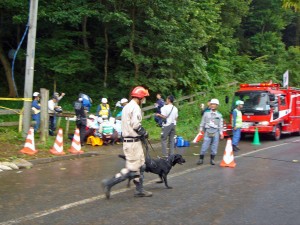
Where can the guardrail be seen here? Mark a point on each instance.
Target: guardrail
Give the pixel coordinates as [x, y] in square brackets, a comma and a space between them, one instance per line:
[190, 98]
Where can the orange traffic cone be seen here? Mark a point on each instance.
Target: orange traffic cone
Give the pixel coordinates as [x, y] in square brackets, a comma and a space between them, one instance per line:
[58, 147]
[29, 147]
[76, 145]
[228, 158]
[198, 137]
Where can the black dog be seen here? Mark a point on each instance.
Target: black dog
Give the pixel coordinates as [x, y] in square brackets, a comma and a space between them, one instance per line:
[161, 166]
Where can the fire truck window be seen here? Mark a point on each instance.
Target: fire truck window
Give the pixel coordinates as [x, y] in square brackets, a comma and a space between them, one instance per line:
[282, 100]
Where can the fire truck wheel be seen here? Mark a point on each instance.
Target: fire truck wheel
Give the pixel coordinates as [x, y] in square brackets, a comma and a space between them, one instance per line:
[277, 133]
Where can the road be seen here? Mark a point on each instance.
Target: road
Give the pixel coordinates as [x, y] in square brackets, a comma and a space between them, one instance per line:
[262, 189]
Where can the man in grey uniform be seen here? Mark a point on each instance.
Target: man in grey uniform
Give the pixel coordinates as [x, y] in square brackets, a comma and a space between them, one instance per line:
[132, 132]
[212, 125]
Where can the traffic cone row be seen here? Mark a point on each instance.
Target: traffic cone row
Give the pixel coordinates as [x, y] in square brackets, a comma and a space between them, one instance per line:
[58, 147]
[29, 147]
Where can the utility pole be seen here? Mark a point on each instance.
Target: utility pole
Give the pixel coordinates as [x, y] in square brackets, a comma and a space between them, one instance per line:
[29, 73]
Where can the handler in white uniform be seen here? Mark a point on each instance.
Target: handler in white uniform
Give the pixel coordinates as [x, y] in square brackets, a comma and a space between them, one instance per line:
[132, 132]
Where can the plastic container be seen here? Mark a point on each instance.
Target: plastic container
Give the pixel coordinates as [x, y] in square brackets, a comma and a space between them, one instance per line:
[186, 143]
[180, 141]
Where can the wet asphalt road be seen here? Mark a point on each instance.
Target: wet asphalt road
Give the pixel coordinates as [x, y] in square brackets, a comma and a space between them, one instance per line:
[262, 189]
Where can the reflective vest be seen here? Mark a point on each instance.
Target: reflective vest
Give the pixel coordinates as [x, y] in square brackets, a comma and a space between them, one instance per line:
[104, 110]
[238, 120]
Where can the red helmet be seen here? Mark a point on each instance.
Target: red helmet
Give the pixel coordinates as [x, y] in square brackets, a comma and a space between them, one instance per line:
[139, 92]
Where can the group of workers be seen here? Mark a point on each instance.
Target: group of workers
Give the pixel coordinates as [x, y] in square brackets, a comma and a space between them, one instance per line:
[53, 108]
[133, 133]
[102, 124]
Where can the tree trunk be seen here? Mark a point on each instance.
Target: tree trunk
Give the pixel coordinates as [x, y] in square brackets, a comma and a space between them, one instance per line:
[106, 56]
[84, 33]
[131, 43]
[8, 73]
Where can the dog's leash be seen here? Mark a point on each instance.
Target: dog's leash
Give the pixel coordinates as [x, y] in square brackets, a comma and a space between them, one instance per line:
[147, 153]
[150, 145]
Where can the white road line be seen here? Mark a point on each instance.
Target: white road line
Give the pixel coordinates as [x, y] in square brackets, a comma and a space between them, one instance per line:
[99, 197]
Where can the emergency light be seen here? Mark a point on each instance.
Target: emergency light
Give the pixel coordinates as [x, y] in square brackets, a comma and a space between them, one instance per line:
[260, 85]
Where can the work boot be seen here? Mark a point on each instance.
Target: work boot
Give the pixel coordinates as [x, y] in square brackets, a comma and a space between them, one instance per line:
[201, 160]
[140, 192]
[212, 159]
[108, 184]
[235, 148]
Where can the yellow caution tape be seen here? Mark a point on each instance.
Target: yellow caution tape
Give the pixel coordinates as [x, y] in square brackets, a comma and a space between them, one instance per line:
[21, 111]
[17, 99]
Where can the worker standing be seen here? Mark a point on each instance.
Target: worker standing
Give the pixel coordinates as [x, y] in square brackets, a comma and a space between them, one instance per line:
[132, 132]
[169, 114]
[81, 120]
[36, 111]
[237, 123]
[212, 125]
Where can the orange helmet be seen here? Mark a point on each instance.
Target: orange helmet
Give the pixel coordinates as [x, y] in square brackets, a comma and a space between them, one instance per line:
[139, 92]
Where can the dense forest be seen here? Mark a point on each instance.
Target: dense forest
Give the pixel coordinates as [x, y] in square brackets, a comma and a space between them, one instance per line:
[104, 47]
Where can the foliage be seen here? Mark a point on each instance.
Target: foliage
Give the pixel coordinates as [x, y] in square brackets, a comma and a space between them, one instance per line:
[105, 47]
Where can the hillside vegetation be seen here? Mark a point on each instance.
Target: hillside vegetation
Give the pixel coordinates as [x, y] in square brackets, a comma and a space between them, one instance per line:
[105, 47]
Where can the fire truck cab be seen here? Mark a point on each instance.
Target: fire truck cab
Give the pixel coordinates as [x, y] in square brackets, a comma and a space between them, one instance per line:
[269, 108]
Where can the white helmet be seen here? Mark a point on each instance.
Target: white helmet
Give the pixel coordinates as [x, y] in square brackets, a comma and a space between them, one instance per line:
[92, 116]
[124, 100]
[105, 117]
[35, 94]
[104, 100]
[100, 120]
[215, 101]
[239, 102]
[118, 104]
[112, 120]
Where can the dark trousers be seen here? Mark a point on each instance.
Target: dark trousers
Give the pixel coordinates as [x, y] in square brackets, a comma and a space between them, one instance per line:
[111, 138]
[82, 130]
[168, 132]
[158, 120]
[52, 124]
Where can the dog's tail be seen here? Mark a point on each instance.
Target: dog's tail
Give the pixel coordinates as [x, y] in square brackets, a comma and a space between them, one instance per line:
[122, 157]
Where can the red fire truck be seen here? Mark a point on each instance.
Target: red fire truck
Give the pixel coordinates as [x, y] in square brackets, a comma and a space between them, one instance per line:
[270, 109]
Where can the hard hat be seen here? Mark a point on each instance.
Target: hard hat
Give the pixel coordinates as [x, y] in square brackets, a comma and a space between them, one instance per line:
[35, 94]
[80, 99]
[239, 102]
[139, 92]
[104, 100]
[104, 117]
[214, 101]
[100, 120]
[118, 104]
[112, 120]
[92, 116]
[124, 100]
[56, 94]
